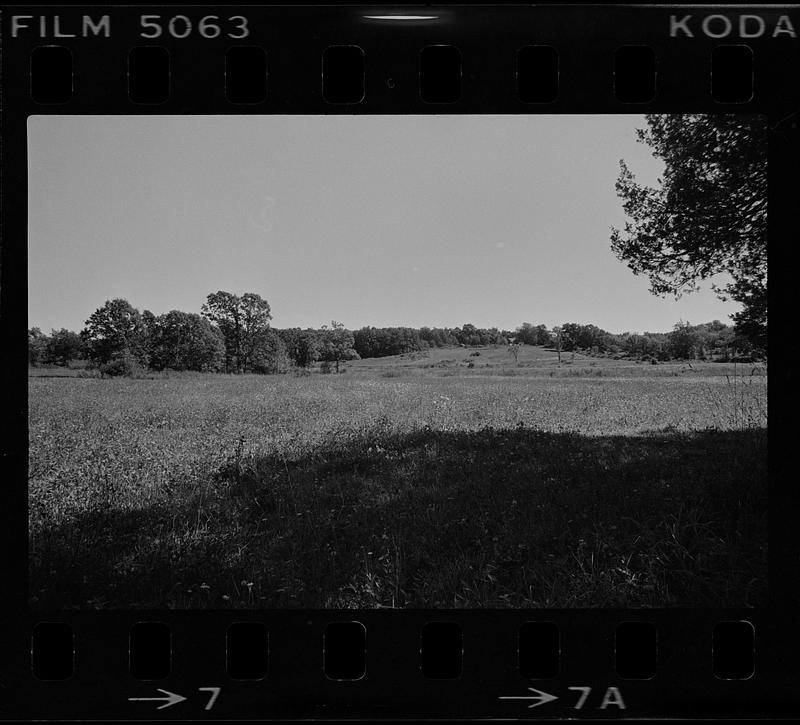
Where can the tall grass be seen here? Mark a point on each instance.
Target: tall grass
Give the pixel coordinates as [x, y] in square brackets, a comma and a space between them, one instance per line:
[742, 401]
[338, 491]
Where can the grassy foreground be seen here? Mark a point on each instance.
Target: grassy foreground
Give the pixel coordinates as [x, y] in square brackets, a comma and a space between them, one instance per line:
[398, 490]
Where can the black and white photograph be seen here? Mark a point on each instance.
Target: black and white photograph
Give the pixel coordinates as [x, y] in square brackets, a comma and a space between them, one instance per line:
[397, 361]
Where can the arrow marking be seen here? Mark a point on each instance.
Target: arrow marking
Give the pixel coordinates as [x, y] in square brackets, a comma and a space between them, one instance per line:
[540, 697]
[170, 699]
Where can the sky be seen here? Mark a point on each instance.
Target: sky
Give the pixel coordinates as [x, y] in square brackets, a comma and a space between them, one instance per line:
[435, 220]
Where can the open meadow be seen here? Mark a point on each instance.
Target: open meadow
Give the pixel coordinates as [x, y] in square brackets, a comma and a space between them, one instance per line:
[440, 479]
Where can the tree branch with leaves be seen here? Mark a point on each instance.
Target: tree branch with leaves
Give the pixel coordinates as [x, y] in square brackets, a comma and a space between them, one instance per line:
[706, 216]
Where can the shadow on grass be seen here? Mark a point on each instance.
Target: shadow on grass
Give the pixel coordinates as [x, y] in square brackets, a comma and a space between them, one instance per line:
[491, 518]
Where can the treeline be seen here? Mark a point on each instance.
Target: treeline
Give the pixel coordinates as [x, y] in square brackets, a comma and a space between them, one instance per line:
[707, 341]
[385, 341]
[233, 334]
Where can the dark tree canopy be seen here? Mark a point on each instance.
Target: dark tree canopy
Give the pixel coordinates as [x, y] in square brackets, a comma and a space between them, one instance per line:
[37, 345]
[307, 348]
[708, 214]
[114, 331]
[529, 334]
[243, 322]
[64, 345]
[337, 344]
[268, 353]
[185, 341]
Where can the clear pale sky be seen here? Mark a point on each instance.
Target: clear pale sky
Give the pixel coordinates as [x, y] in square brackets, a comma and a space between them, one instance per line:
[368, 220]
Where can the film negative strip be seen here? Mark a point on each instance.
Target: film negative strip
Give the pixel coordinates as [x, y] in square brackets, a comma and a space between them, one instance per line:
[360, 380]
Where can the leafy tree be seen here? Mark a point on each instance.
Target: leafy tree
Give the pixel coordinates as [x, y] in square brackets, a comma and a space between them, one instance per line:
[708, 214]
[570, 334]
[529, 334]
[751, 321]
[384, 341]
[435, 337]
[115, 330]
[722, 342]
[403, 339]
[683, 341]
[150, 324]
[308, 348]
[337, 344]
[242, 321]
[290, 337]
[256, 342]
[301, 347]
[585, 337]
[469, 335]
[37, 346]
[558, 334]
[63, 346]
[711, 338]
[366, 342]
[543, 337]
[185, 341]
[526, 334]
[222, 308]
[268, 354]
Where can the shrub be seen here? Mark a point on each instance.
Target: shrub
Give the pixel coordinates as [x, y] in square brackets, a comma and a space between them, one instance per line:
[122, 366]
[114, 368]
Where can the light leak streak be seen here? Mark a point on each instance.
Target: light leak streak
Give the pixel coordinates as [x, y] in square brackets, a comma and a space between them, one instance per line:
[401, 17]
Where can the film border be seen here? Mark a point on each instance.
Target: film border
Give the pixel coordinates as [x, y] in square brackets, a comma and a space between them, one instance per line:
[296, 685]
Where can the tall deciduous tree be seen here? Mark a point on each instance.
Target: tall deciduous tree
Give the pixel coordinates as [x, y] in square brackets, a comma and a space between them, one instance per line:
[222, 308]
[185, 341]
[307, 349]
[114, 331]
[684, 341]
[529, 334]
[243, 322]
[63, 346]
[269, 354]
[37, 346]
[256, 340]
[708, 214]
[337, 344]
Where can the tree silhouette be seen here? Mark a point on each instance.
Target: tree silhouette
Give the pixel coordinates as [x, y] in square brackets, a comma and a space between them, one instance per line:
[708, 214]
[114, 331]
[243, 322]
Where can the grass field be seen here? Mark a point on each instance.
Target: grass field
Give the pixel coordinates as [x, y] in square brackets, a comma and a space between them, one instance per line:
[414, 481]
